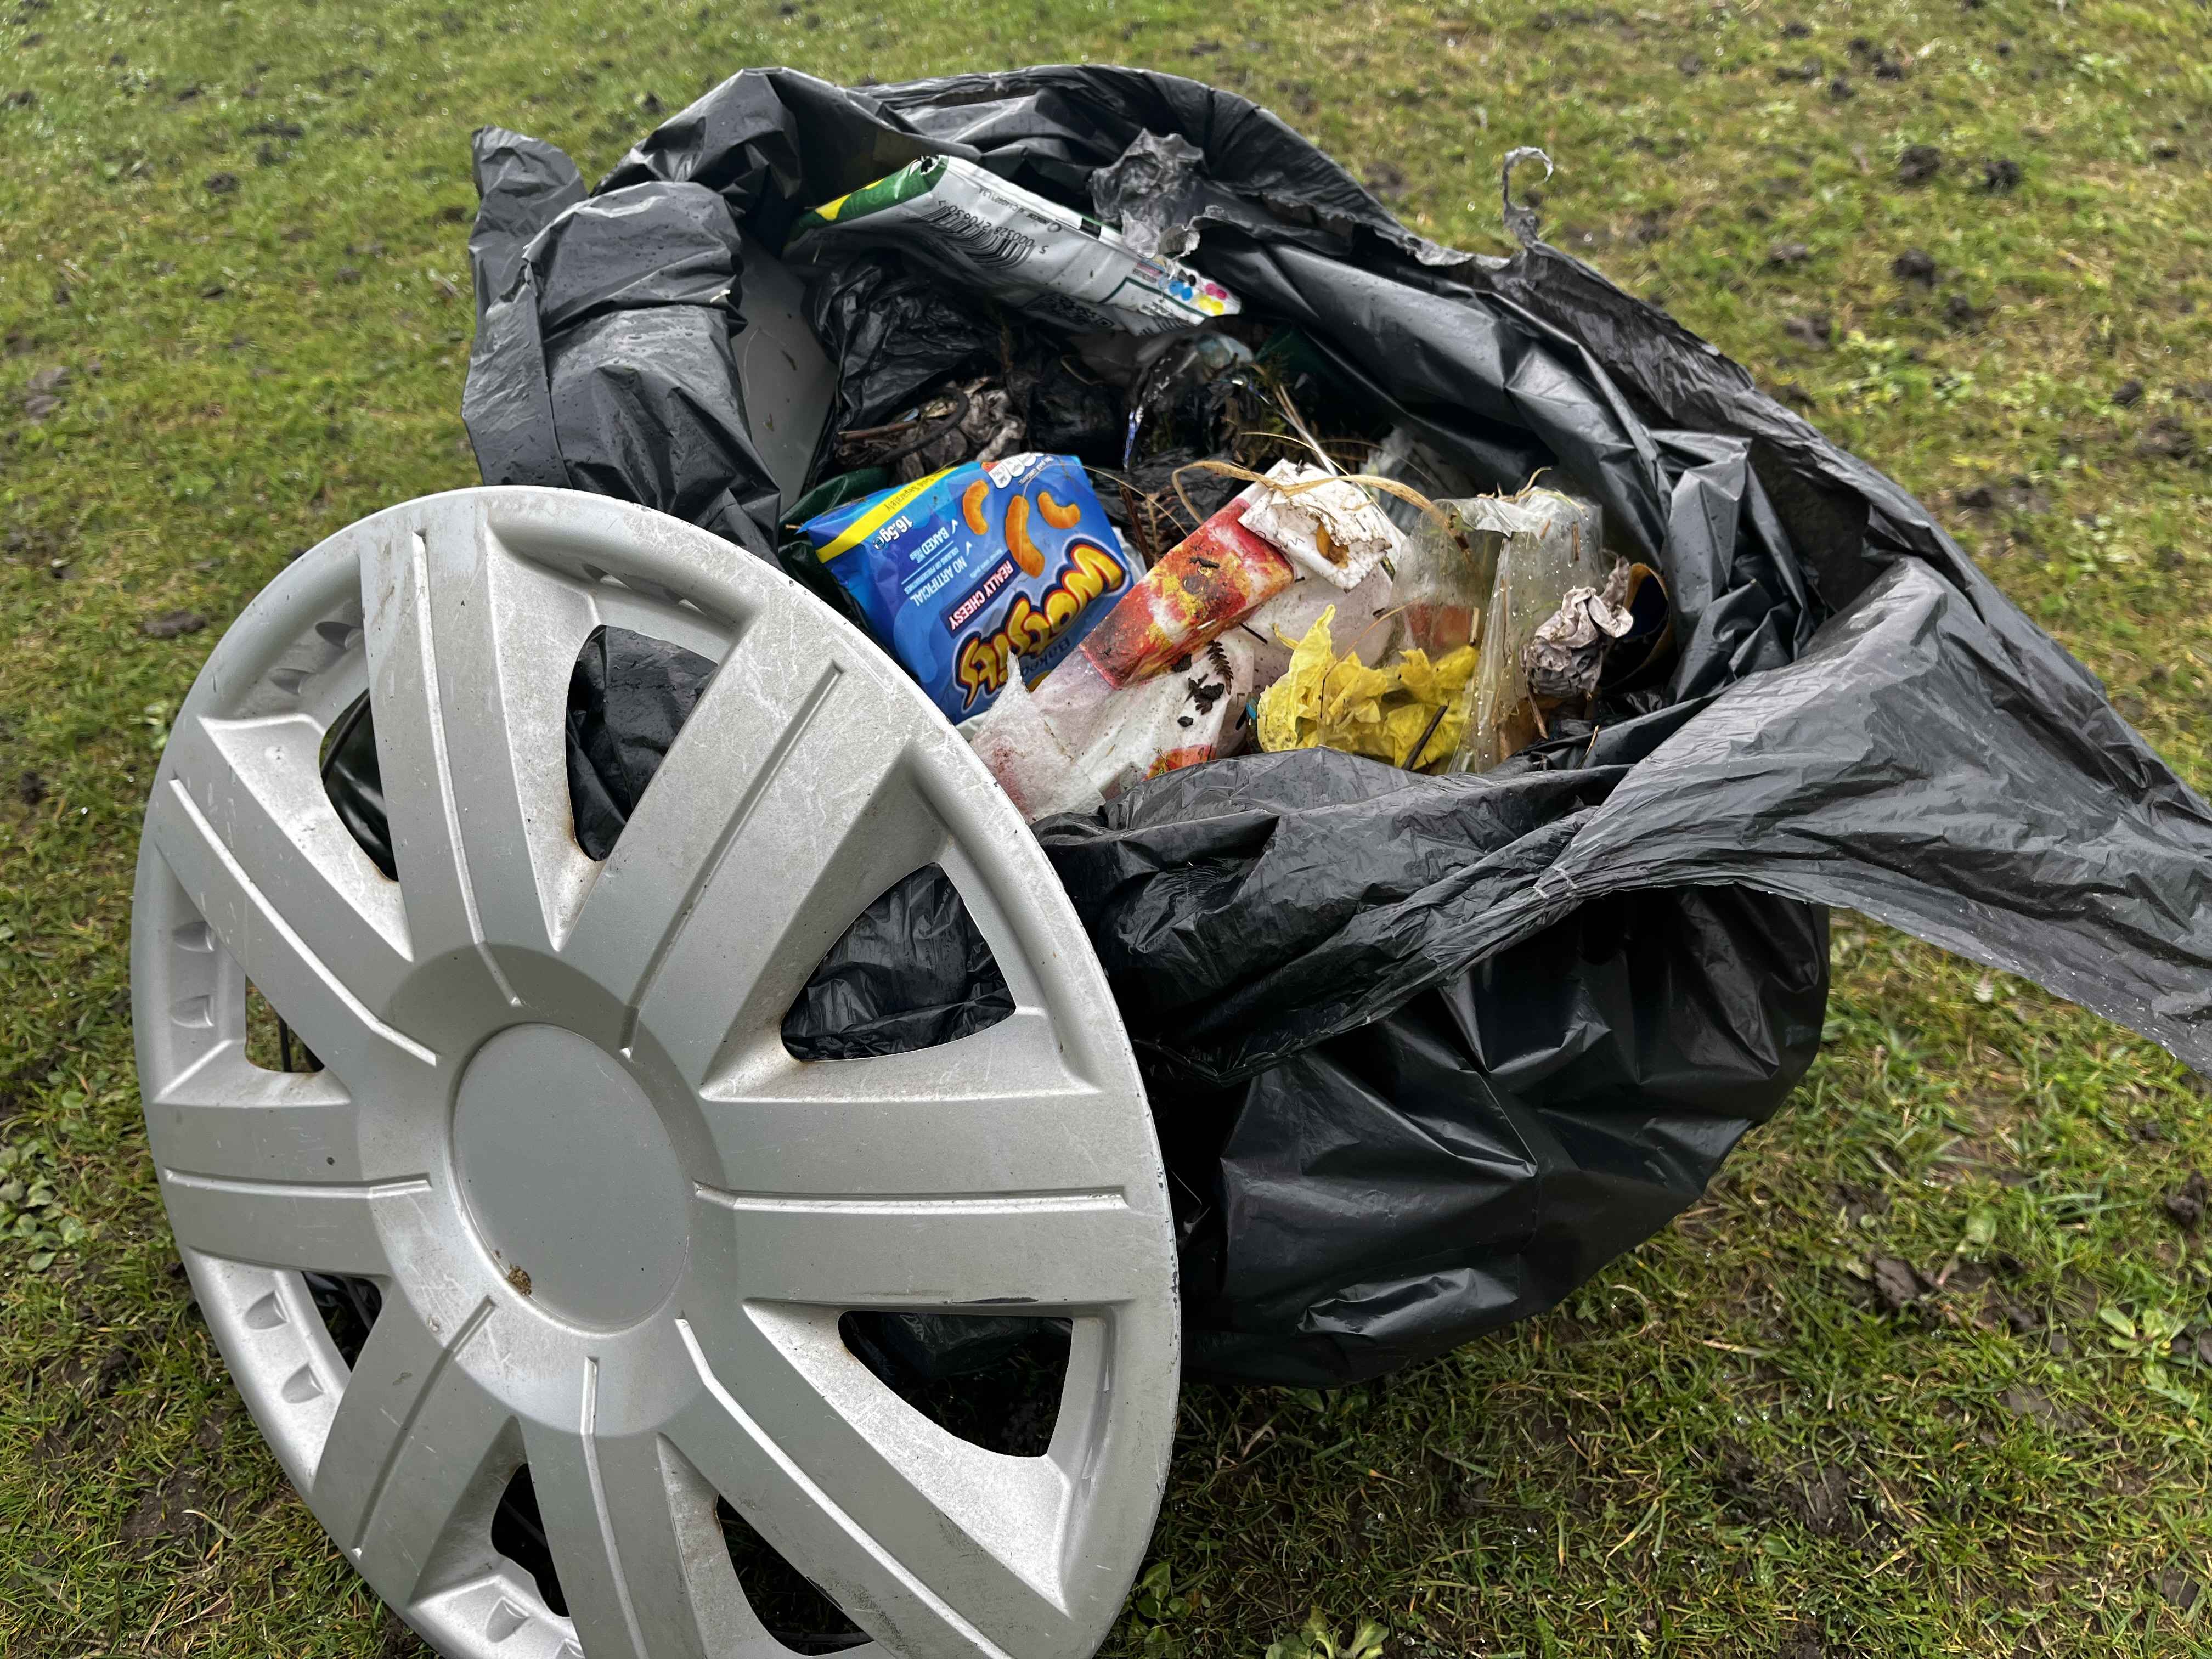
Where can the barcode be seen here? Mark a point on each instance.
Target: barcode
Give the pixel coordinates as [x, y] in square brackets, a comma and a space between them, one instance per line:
[987, 244]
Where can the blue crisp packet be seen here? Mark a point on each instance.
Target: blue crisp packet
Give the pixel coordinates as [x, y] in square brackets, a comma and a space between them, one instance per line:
[958, 572]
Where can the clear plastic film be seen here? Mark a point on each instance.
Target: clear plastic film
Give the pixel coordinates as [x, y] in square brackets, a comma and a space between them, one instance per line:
[1445, 574]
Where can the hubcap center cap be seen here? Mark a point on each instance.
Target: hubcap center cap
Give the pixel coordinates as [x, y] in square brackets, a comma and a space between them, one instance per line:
[570, 1176]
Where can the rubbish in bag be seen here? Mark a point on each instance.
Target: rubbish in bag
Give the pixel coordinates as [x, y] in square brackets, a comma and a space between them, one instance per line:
[1060, 741]
[1031, 254]
[1066, 413]
[1056, 756]
[1031, 759]
[959, 573]
[894, 332]
[1149, 504]
[1641, 654]
[1563, 658]
[1403, 456]
[1185, 391]
[1363, 610]
[1328, 528]
[1181, 719]
[1409, 712]
[1366, 624]
[1446, 572]
[1082, 735]
[1429, 1050]
[1131, 363]
[1209, 581]
[1577, 647]
[1184, 397]
[1143, 192]
[975, 422]
[1549, 543]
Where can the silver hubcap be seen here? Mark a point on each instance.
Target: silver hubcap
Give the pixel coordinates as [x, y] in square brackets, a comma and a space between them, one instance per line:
[615, 1223]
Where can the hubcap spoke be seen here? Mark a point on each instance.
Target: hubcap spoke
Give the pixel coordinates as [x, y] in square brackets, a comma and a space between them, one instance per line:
[837, 823]
[331, 1227]
[298, 918]
[636, 1545]
[932, 1545]
[416, 1444]
[226, 1118]
[998, 1253]
[996, 1112]
[469, 650]
[421, 1523]
[753, 724]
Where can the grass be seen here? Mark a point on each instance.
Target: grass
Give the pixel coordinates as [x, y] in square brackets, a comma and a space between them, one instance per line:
[240, 228]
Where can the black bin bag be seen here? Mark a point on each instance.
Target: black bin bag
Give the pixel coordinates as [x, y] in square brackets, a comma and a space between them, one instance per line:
[1423, 1053]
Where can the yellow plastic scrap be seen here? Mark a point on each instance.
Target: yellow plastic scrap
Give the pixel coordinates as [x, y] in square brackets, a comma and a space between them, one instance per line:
[1327, 702]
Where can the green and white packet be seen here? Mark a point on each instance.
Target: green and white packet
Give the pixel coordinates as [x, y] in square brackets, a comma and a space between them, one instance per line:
[1032, 255]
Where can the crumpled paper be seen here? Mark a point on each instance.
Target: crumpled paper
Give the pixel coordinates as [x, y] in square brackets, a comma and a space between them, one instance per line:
[1409, 712]
[1565, 656]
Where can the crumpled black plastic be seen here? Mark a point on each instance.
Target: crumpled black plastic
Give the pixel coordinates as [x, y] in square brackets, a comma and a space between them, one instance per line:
[893, 332]
[1067, 413]
[914, 971]
[910, 1350]
[602, 361]
[353, 780]
[1425, 1052]
[1477, 1152]
[628, 695]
